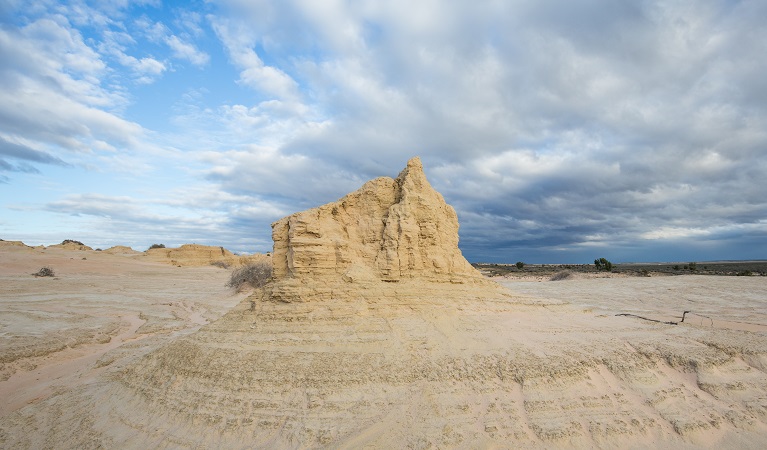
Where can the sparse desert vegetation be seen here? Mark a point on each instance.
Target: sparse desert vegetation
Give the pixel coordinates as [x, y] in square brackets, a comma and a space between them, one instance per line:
[718, 268]
[45, 272]
[253, 275]
[563, 275]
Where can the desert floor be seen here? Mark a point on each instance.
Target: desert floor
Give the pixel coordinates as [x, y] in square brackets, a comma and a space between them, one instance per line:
[117, 351]
[99, 310]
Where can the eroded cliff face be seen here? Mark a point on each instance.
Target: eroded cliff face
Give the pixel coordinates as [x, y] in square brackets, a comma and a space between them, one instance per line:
[389, 230]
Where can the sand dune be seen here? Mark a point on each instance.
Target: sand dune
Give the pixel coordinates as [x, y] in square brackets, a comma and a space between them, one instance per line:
[122, 352]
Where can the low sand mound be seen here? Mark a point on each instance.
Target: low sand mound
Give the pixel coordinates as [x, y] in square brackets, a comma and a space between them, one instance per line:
[69, 244]
[14, 244]
[195, 255]
[121, 250]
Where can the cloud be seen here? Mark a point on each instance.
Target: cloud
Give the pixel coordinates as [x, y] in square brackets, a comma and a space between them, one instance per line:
[557, 130]
[174, 221]
[180, 46]
[145, 70]
[185, 50]
[22, 152]
[24, 159]
[239, 41]
[52, 92]
[586, 125]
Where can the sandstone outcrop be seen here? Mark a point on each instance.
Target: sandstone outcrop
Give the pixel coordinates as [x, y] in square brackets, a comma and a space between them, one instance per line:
[199, 255]
[388, 231]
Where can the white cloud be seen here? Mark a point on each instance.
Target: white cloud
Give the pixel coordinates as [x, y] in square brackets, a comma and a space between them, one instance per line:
[180, 46]
[239, 42]
[53, 92]
[185, 50]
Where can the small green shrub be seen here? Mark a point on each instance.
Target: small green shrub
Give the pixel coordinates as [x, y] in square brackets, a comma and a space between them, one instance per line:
[71, 241]
[254, 274]
[157, 246]
[603, 264]
[520, 265]
[45, 272]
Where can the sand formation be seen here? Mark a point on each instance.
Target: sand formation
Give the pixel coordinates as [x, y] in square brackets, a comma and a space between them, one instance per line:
[195, 255]
[389, 231]
[70, 244]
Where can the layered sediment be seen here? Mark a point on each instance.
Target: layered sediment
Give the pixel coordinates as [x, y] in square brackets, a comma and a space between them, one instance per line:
[389, 231]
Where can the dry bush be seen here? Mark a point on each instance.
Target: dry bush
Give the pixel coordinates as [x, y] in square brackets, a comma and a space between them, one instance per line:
[45, 272]
[221, 264]
[563, 275]
[255, 274]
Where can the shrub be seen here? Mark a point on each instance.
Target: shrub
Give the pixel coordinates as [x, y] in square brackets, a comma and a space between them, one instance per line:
[520, 265]
[603, 264]
[45, 272]
[693, 266]
[157, 246]
[563, 275]
[221, 264]
[254, 274]
[71, 241]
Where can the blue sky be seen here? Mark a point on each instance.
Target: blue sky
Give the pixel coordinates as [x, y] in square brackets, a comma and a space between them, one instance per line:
[560, 131]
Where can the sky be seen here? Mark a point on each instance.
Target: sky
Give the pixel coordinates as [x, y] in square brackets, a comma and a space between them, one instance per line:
[560, 131]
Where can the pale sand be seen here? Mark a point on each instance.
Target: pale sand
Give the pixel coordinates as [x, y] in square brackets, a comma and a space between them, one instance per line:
[112, 354]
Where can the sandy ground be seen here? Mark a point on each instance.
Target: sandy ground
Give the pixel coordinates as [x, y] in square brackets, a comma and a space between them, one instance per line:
[122, 353]
[99, 310]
